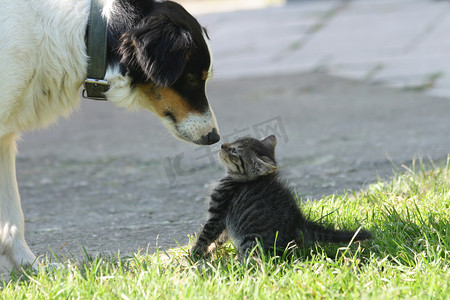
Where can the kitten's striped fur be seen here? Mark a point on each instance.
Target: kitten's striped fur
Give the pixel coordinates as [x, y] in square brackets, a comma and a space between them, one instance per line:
[252, 204]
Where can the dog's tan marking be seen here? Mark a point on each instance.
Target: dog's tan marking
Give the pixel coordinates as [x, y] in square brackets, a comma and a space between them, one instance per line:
[165, 100]
[205, 75]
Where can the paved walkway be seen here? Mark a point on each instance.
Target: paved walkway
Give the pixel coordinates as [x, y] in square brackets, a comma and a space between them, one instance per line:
[398, 43]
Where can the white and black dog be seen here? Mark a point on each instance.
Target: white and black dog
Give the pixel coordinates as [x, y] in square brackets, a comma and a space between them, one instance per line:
[158, 59]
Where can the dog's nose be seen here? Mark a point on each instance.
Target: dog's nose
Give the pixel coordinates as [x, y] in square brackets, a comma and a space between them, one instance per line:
[211, 138]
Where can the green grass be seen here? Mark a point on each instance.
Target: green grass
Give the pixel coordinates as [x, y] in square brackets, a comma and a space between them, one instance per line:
[408, 258]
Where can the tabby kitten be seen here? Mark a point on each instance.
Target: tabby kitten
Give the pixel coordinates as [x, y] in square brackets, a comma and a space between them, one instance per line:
[252, 204]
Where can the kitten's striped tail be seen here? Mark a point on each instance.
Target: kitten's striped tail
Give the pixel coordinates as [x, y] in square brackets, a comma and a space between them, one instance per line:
[313, 232]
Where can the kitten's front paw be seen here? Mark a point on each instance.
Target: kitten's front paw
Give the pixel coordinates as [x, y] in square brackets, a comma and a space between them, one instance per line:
[197, 251]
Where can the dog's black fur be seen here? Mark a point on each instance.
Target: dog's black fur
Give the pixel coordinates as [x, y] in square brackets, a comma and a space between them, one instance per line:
[160, 42]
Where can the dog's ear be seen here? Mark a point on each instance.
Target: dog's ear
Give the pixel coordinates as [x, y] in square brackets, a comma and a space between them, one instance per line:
[158, 47]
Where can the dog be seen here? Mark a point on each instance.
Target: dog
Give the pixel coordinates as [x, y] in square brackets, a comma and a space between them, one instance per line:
[158, 59]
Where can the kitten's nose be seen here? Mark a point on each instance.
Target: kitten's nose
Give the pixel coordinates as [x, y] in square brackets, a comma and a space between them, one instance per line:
[225, 146]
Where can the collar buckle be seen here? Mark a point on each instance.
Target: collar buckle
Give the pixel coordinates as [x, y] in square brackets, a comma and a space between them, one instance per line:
[95, 89]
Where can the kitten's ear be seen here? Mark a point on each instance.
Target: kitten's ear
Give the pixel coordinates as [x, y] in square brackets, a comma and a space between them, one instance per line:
[270, 141]
[265, 165]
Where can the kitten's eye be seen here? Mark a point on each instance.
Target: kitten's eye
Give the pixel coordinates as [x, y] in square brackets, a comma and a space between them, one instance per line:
[233, 151]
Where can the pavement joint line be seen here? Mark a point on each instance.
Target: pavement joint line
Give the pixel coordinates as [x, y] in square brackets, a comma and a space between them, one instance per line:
[428, 29]
[374, 71]
[318, 26]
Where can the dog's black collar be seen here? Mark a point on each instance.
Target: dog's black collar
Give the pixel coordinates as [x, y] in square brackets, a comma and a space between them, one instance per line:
[95, 85]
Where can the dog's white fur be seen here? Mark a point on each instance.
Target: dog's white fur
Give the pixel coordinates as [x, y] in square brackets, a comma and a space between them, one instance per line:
[42, 66]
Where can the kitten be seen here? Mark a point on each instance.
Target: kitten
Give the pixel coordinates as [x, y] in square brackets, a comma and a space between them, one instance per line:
[252, 204]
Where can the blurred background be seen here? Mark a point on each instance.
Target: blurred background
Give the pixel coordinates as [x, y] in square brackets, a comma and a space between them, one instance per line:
[198, 7]
[399, 43]
[353, 90]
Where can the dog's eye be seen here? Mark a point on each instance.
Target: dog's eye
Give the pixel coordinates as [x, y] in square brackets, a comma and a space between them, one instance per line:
[193, 78]
[170, 116]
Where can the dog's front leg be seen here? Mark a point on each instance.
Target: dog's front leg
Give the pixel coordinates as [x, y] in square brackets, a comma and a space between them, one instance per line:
[14, 251]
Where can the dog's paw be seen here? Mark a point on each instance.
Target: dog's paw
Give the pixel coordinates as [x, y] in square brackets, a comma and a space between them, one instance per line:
[16, 255]
[6, 267]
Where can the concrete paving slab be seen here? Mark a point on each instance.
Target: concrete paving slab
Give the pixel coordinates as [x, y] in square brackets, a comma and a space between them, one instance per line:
[402, 42]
